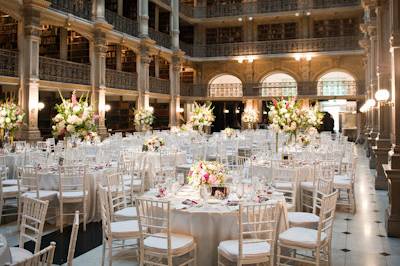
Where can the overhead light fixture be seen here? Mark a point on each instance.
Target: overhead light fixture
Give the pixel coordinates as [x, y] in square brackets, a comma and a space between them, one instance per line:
[382, 95]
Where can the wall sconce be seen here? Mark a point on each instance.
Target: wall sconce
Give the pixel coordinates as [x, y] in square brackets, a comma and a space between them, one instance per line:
[40, 106]
[249, 59]
[237, 111]
[265, 112]
[307, 57]
[180, 110]
[226, 111]
[370, 103]
[107, 107]
[151, 108]
[382, 95]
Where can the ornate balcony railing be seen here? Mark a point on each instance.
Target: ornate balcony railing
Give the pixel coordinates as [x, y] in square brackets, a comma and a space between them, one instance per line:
[274, 89]
[161, 38]
[8, 63]
[121, 80]
[258, 7]
[63, 71]
[158, 85]
[80, 8]
[334, 3]
[122, 24]
[341, 43]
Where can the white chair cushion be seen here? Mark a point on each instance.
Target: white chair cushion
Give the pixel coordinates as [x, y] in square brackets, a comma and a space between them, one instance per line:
[179, 243]
[309, 185]
[11, 191]
[19, 254]
[301, 237]
[340, 180]
[230, 249]
[135, 183]
[283, 185]
[43, 194]
[10, 182]
[302, 218]
[125, 229]
[126, 213]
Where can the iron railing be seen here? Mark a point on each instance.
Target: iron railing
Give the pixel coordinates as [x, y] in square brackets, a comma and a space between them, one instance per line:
[158, 85]
[341, 43]
[8, 63]
[274, 89]
[334, 3]
[63, 71]
[80, 8]
[187, 48]
[121, 80]
[122, 24]
[161, 38]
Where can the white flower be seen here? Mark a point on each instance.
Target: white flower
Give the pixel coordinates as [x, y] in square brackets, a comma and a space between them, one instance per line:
[70, 128]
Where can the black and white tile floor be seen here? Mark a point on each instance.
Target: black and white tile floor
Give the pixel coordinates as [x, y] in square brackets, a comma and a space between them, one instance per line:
[358, 239]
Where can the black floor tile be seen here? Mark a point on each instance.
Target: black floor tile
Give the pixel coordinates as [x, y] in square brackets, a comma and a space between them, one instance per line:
[345, 250]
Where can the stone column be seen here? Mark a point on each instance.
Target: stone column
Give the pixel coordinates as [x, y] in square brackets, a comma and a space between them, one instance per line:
[175, 24]
[29, 41]
[143, 12]
[98, 68]
[143, 59]
[157, 66]
[392, 169]
[120, 7]
[100, 11]
[175, 84]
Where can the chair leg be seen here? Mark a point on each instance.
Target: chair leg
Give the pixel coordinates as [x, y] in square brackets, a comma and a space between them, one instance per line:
[104, 252]
[195, 255]
[317, 256]
[19, 213]
[84, 216]
[110, 252]
[61, 217]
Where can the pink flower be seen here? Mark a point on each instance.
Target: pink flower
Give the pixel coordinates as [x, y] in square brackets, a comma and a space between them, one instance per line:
[212, 179]
[73, 99]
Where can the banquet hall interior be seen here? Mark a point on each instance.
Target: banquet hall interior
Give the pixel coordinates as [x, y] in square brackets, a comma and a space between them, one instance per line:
[200, 132]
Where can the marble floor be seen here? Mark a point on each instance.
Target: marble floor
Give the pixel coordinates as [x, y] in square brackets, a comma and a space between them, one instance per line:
[358, 239]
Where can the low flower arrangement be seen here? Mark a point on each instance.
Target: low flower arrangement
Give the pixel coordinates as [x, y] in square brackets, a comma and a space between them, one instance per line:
[229, 132]
[75, 118]
[206, 173]
[250, 115]
[11, 117]
[202, 116]
[153, 144]
[144, 118]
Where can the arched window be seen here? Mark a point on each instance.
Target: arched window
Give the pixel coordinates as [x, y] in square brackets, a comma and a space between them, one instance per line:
[278, 84]
[225, 86]
[337, 83]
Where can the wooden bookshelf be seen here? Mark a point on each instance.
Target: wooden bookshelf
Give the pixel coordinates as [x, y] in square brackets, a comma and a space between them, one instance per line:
[224, 35]
[164, 23]
[78, 48]
[130, 9]
[8, 32]
[128, 60]
[336, 27]
[164, 68]
[187, 76]
[121, 116]
[50, 42]
[112, 5]
[111, 57]
[277, 31]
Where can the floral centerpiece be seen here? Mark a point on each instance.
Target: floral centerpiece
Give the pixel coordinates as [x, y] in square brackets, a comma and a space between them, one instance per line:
[75, 118]
[313, 119]
[186, 127]
[153, 144]
[202, 116]
[206, 173]
[250, 116]
[11, 118]
[229, 132]
[144, 118]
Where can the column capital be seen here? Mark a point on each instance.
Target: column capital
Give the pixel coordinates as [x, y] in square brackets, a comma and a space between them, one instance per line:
[372, 31]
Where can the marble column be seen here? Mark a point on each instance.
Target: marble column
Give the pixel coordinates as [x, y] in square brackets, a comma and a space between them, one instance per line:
[392, 169]
[143, 12]
[175, 84]
[143, 60]
[175, 24]
[100, 11]
[98, 59]
[29, 42]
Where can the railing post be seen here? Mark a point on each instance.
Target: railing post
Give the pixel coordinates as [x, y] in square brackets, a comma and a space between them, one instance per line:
[29, 42]
[98, 73]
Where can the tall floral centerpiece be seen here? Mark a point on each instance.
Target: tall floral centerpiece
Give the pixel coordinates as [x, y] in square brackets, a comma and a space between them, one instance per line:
[313, 120]
[144, 118]
[75, 118]
[202, 116]
[11, 119]
[285, 116]
[249, 118]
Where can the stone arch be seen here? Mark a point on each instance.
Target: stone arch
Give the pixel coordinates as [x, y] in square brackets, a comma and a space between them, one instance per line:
[336, 82]
[225, 85]
[278, 83]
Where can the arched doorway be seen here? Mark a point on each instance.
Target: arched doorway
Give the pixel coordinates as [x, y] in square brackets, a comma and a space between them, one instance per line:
[336, 83]
[278, 84]
[225, 85]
